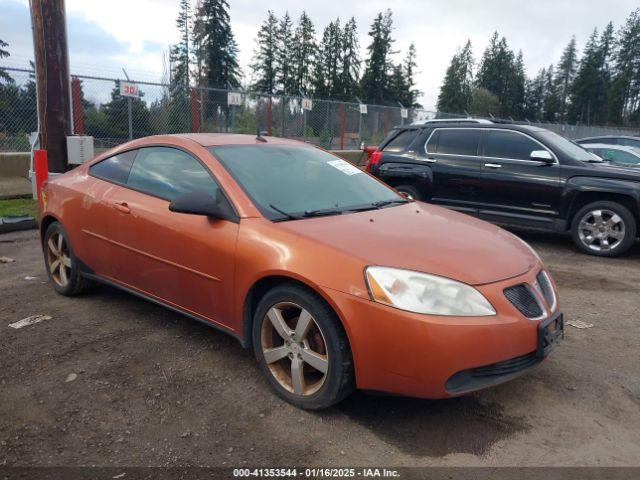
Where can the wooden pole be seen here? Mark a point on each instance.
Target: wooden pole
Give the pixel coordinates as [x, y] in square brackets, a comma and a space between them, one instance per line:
[52, 79]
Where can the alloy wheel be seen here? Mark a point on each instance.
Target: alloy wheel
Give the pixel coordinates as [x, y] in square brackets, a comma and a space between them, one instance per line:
[58, 259]
[601, 230]
[294, 348]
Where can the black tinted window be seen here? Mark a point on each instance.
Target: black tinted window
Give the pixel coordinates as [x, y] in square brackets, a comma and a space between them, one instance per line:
[168, 173]
[115, 169]
[457, 142]
[509, 145]
[402, 141]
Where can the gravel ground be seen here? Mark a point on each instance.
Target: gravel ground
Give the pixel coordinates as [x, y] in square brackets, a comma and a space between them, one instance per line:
[113, 380]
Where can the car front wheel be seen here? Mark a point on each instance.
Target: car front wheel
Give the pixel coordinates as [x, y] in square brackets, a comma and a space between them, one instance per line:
[301, 347]
[605, 229]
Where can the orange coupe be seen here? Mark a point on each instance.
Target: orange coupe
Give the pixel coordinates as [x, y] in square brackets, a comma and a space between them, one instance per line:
[335, 280]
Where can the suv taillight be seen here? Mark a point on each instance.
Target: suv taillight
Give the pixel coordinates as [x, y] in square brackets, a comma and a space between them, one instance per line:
[373, 159]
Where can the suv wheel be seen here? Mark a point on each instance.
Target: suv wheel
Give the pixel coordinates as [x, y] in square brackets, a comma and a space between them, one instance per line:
[409, 191]
[605, 229]
[302, 348]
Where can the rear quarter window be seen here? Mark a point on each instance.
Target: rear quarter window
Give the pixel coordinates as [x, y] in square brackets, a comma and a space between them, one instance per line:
[402, 141]
[114, 169]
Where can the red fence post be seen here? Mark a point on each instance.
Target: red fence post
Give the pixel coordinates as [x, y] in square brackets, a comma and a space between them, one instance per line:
[41, 167]
[76, 105]
[195, 116]
[341, 114]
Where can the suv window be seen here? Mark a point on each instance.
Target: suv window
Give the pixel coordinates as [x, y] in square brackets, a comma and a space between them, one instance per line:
[168, 173]
[114, 169]
[629, 142]
[618, 156]
[454, 141]
[503, 144]
[401, 141]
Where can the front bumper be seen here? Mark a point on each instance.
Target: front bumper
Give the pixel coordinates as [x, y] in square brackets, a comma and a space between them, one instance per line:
[416, 355]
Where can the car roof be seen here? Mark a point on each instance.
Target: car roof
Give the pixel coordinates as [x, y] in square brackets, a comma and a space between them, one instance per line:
[218, 139]
[631, 137]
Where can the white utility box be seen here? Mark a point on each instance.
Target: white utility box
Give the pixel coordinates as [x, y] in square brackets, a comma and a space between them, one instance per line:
[79, 149]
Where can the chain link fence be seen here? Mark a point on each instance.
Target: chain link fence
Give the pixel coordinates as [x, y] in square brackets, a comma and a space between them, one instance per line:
[100, 111]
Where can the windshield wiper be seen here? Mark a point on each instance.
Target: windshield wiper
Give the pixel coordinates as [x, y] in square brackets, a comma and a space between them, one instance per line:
[384, 203]
[286, 214]
[322, 212]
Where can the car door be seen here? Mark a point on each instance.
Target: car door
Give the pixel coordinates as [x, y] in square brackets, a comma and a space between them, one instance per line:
[452, 154]
[186, 261]
[518, 190]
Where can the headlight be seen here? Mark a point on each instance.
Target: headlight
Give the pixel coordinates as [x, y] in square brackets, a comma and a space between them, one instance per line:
[424, 293]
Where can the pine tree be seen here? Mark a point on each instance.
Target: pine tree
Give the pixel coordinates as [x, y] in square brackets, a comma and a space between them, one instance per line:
[329, 61]
[497, 73]
[565, 73]
[305, 51]
[535, 96]
[409, 66]
[284, 57]
[398, 86]
[217, 44]
[375, 80]
[3, 54]
[457, 90]
[624, 100]
[515, 88]
[350, 69]
[179, 56]
[552, 102]
[264, 64]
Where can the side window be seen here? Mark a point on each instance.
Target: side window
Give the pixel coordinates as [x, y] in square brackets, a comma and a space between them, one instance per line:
[503, 144]
[630, 142]
[168, 173]
[624, 157]
[401, 141]
[432, 145]
[114, 169]
[458, 141]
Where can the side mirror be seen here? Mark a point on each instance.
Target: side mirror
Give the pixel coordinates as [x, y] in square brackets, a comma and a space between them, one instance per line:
[203, 203]
[542, 156]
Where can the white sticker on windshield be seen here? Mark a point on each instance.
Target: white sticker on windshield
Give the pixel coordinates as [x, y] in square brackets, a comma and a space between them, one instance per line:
[345, 167]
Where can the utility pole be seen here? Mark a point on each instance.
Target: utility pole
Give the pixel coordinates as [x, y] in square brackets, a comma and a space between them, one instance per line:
[52, 79]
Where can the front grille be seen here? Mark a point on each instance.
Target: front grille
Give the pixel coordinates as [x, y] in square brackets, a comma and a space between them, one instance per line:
[546, 288]
[507, 367]
[524, 300]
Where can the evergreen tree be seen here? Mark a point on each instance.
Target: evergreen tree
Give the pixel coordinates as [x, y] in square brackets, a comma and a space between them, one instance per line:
[328, 65]
[514, 103]
[350, 69]
[375, 80]
[284, 57]
[410, 99]
[565, 73]
[497, 73]
[552, 102]
[457, 90]
[624, 100]
[116, 114]
[305, 51]
[535, 97]
[3, 54]
[264, 65]
[398, 86]
[217, 44]
[179, 55]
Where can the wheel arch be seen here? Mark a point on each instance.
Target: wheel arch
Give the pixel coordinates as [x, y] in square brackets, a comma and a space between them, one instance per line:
[46, 220]
[266, 283]
[586, 197]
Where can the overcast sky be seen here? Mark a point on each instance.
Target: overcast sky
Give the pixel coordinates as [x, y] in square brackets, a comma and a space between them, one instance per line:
[106, 35]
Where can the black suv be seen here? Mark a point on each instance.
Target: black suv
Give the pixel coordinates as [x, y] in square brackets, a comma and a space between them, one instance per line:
[514, 175]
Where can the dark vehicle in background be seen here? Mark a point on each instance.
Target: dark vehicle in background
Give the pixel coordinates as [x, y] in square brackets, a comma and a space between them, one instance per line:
[514, 175]
[627, 141]
[620, 154]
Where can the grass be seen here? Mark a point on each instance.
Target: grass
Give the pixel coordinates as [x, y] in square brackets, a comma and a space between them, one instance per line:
[18, 206]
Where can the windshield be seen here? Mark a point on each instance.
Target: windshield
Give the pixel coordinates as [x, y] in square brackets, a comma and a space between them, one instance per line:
[570, 149]
[293, 181]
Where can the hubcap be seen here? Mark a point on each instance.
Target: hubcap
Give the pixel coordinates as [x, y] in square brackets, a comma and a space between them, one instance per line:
[58, 259]
[601, 230]
[294, 348]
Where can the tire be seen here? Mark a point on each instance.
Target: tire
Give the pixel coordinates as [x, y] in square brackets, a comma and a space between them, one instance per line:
[71, 282]
[409, 191]
[604, 229]
[324, 339]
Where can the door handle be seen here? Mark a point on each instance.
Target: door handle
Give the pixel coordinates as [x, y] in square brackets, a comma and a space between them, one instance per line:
[430, 160]
[122, 207]
[493, 165]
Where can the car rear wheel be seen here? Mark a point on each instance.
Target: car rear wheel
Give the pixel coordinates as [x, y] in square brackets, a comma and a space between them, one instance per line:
[301, 347]
[409, 191]
[60, 262]
[605, 229]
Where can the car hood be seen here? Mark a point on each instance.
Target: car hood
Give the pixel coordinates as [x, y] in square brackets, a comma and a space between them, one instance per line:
[423, 238]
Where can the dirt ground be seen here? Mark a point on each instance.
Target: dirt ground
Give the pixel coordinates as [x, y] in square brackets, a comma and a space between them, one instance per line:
[153, 388]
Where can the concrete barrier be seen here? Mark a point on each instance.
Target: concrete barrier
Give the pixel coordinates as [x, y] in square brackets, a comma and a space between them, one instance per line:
[14, 175]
